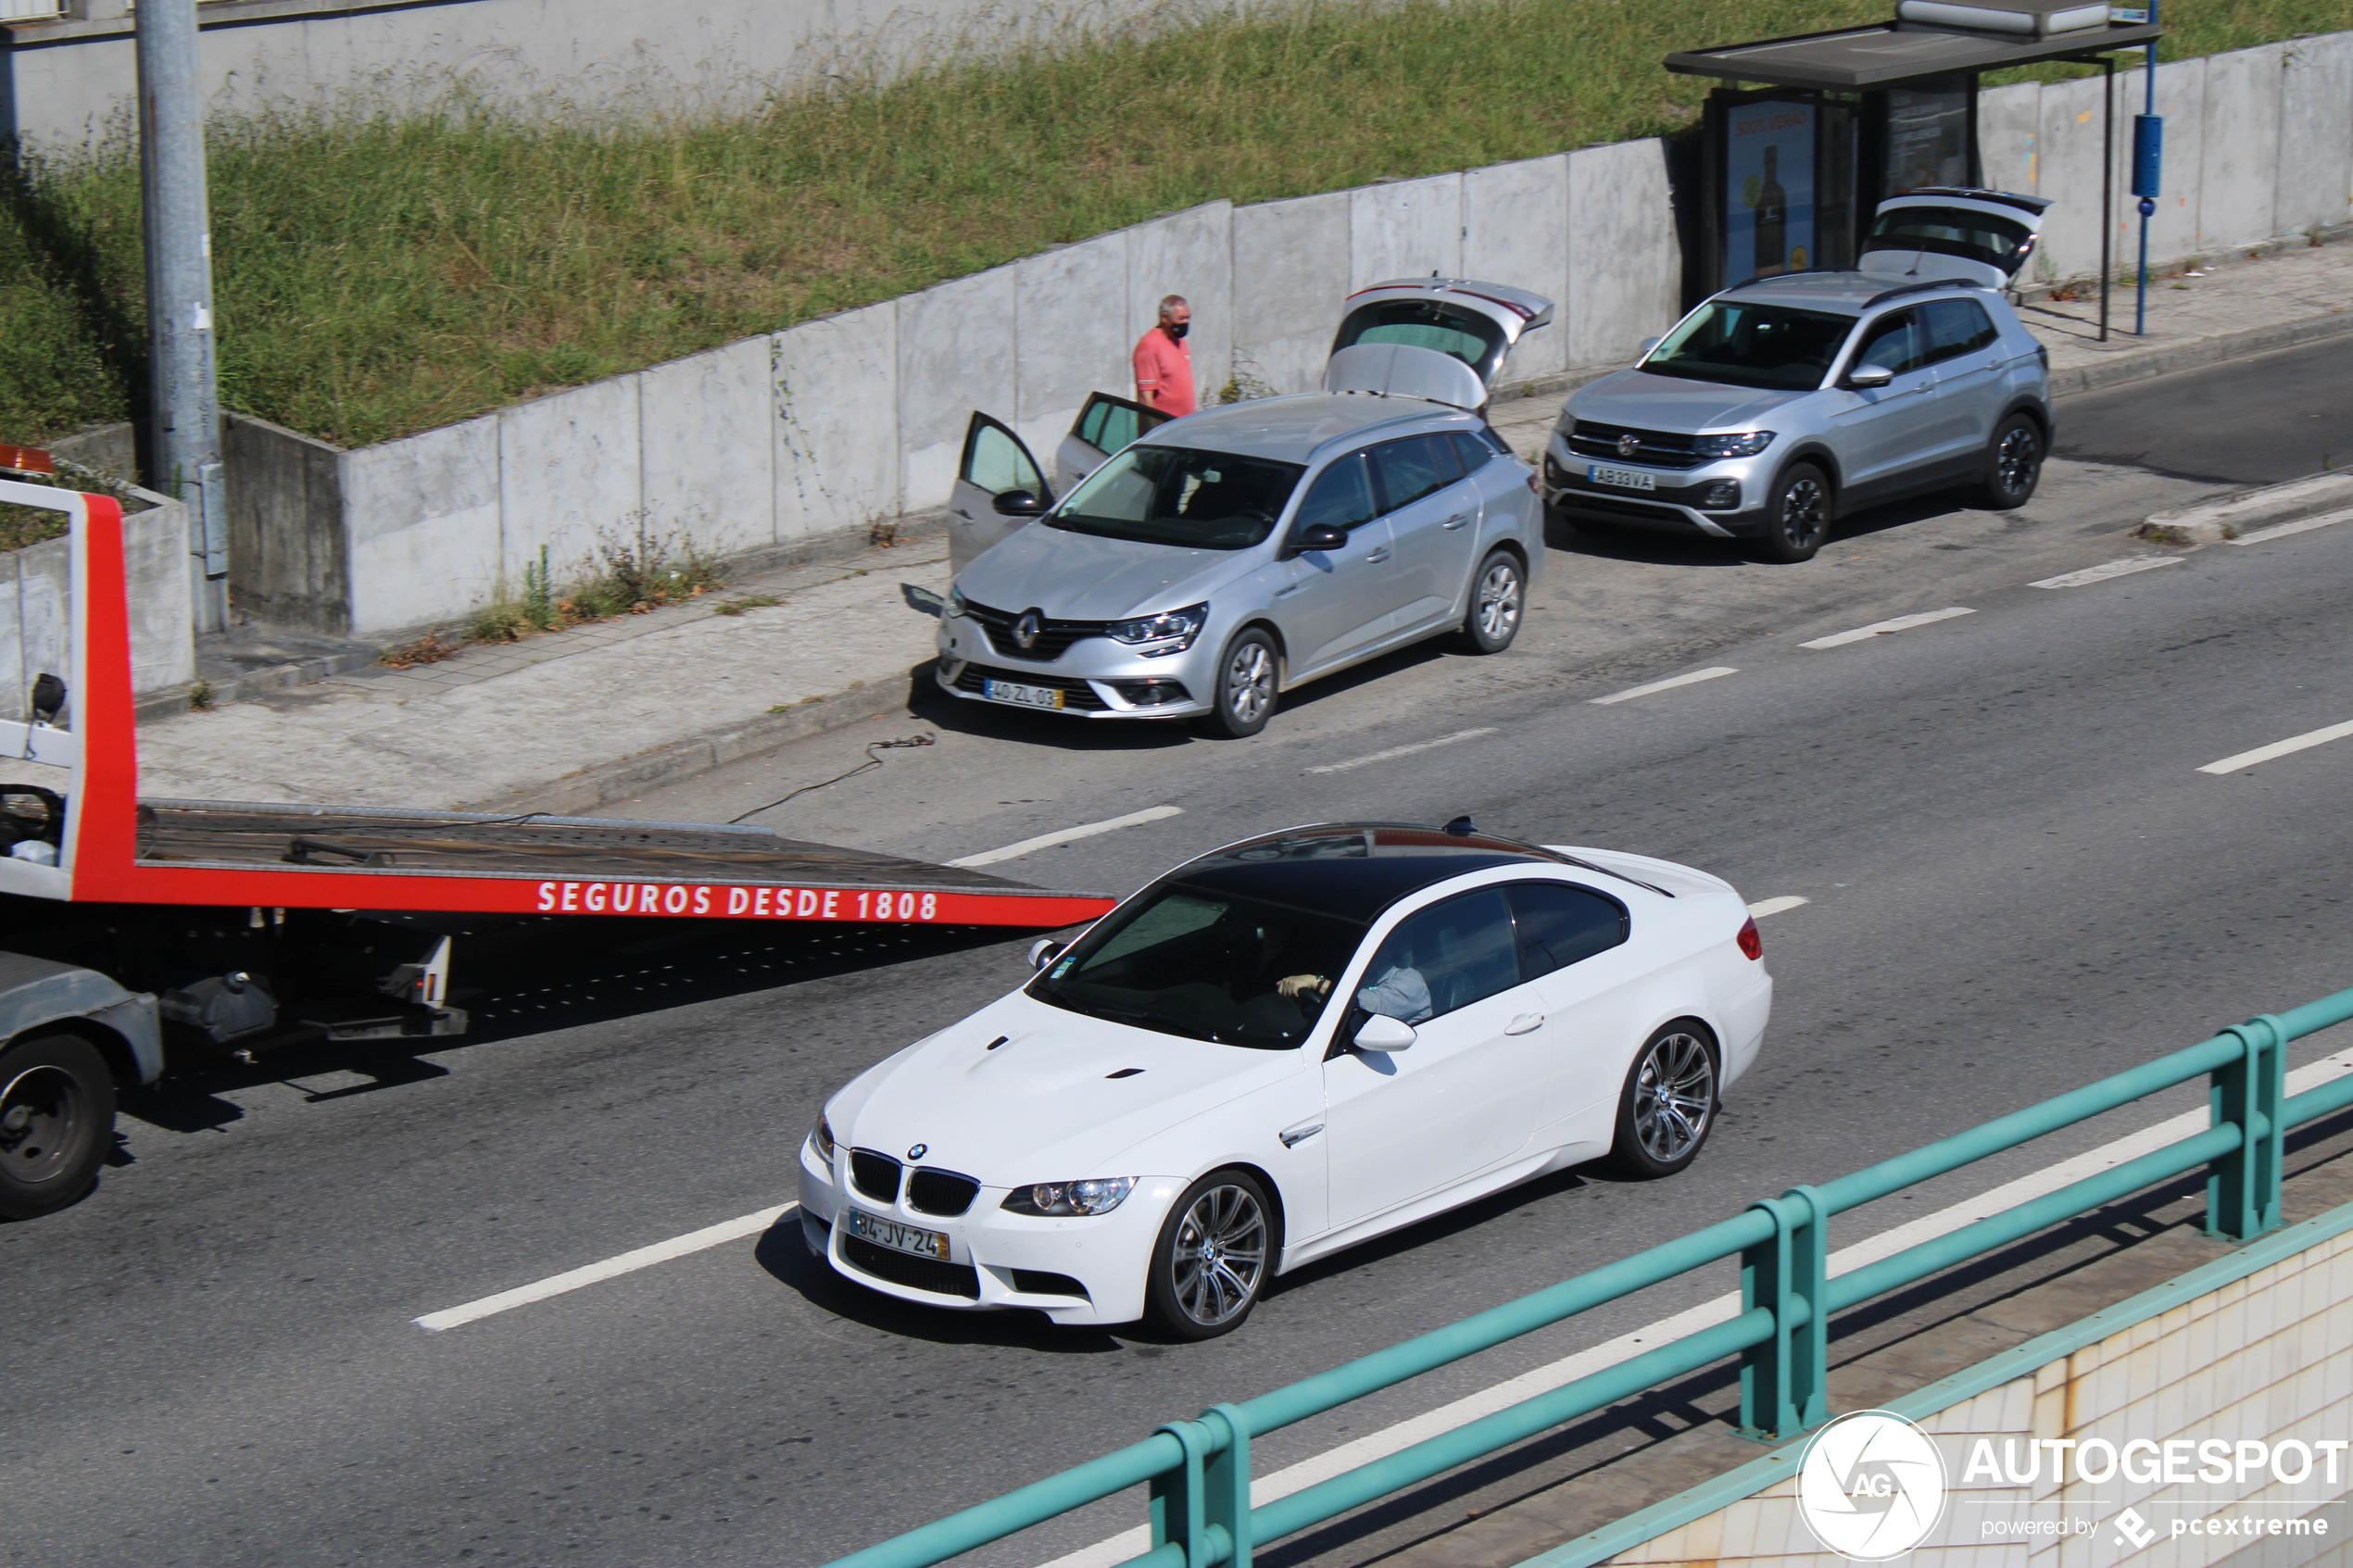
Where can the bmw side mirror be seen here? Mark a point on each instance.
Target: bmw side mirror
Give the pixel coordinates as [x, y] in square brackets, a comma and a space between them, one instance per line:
[1319, 537]
[1865, 378]
[1382, 1032]
[1045, 950]
[1019, 503]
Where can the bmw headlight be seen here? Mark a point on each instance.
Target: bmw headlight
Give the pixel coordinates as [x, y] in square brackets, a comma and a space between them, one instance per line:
[821, 1138]
[1062, 1199]
[1170, 632]
[1746, 445]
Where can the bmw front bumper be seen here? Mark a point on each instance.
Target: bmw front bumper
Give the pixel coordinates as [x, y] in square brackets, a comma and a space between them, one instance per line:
[1084, 1269]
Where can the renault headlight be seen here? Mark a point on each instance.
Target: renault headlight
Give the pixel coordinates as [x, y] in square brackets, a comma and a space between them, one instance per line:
[956, 600]
[1746, 445]
[1062, 1200]
[1172, 631]
[821, 1138]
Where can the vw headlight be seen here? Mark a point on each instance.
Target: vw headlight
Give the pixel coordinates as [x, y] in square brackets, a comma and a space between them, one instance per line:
[1062, 1199]
[1172, 631]
[1746, 445]
[821, 1138]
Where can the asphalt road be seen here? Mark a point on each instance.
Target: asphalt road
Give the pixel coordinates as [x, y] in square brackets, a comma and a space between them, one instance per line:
[2018, 878]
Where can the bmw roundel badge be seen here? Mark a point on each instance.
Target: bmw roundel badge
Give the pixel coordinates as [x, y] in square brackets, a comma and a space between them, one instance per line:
[919, 1151]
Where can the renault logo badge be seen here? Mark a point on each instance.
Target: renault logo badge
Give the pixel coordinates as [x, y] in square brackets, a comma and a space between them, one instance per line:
[1025, 631]
[1629, 444]
[919, 1151]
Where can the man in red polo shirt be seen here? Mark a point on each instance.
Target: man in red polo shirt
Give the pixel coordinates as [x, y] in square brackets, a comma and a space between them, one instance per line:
[1163, 364]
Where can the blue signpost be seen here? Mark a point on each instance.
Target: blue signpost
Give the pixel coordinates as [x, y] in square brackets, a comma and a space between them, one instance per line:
[2148, 157]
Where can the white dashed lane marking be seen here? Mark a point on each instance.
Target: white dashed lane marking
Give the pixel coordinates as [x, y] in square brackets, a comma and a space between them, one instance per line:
[2092, 574]
[612, 1268]
[1779, 906]
[1068, 835]
[1396, 751]
[1882, 628]
[2279, 749]
[1693, 678]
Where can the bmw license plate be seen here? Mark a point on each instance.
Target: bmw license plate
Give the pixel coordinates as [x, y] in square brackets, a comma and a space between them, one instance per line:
[898, 1237]
[1022, 696]
[1626, 479]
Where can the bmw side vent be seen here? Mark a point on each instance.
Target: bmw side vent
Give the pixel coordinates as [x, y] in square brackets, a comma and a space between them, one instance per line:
[941, 1192]
[876, 1175]
[1124, 1072]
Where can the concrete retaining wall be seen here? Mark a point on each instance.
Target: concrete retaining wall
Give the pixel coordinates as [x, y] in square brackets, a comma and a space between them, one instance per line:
[36, 608]
[802, 441]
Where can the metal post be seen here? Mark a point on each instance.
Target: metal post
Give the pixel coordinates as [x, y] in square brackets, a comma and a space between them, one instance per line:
[1202, 1506]
[1785, 1381]
[2243, 1188]
[185, 404]
[2107, 184]
[2148, 202]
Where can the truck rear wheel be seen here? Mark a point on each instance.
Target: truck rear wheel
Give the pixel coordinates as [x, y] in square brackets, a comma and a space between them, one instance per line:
[56, 1118]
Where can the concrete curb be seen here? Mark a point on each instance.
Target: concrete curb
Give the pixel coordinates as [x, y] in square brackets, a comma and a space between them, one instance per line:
[241, 688]
[581, 793]
[2132, 363]
[2235, 516]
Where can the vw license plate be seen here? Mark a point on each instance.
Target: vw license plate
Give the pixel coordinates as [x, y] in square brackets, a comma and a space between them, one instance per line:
[1626, 479]
[1026, 696]
[898, 1237]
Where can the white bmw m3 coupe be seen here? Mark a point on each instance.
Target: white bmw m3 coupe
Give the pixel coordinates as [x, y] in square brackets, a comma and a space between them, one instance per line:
[1281, 1048]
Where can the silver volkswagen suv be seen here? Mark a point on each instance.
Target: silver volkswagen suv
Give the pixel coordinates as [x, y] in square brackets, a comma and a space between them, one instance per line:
[1777, 405]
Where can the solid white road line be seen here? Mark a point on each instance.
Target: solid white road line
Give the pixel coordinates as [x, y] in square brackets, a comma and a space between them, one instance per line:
[2302, 525]
[2279, 749]
[1397, 751]
[1486, 1402]
[1068, 835]
[1666, 685]
[612, 1268]
[1781, 905]
[1880, 628]
[2091, 574]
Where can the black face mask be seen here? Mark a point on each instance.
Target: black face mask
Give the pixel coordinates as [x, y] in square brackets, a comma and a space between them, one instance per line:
[1179, 329]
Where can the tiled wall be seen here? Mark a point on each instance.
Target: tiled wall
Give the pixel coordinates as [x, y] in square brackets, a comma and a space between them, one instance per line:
[2269, 1356]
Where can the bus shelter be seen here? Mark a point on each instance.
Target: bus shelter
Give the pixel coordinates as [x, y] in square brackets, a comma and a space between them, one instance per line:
[1813, 132]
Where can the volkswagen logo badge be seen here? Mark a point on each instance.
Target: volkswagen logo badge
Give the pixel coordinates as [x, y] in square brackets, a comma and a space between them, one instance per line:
[1629, 444]
[919, 1151]
[1025, 631]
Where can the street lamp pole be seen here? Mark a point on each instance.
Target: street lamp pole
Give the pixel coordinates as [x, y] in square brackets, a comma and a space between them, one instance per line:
[185, 405]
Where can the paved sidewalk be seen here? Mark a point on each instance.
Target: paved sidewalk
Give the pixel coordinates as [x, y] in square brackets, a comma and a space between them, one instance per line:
[570, 720]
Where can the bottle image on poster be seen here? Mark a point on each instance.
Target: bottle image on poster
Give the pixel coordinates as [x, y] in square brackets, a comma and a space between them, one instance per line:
[1768, 189]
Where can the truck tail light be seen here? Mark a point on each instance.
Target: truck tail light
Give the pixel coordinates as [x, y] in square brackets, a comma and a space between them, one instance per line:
[1751, 943]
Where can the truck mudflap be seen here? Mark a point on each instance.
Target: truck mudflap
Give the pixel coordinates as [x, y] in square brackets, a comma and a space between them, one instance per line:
[101, 844]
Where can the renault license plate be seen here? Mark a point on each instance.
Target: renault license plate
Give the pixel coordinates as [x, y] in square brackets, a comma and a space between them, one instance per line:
[1625, 479]
[898, 1237]
[1022, 696]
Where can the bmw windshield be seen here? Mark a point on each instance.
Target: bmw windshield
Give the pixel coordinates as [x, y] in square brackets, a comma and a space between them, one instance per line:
[1773, 348]
[1178, 496]
[1206, 964]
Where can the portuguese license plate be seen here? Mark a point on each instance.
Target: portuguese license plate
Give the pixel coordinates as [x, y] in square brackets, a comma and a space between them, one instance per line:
[1625, 479]
[1022, 696]
[898, 1237]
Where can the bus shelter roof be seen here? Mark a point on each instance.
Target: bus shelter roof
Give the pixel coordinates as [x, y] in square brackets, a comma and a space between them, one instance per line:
[1896, 53]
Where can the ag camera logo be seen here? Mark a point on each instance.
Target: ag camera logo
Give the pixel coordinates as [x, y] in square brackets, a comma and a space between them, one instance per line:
[1870, 1486]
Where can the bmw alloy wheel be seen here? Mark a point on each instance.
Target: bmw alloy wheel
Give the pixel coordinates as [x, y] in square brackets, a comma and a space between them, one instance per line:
[1674, 1096]
[1220, 1256]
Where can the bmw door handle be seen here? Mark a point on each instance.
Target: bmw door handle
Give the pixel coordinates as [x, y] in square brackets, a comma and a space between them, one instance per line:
[1523, 1023]
[1456, 521]
[1377, 557]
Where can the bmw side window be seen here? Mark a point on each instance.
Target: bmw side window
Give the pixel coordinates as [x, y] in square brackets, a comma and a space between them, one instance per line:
[1557, 925]
[1446, 956]
[1413, 468]
[1340, 497]
[1894, 344]
[1955, 327]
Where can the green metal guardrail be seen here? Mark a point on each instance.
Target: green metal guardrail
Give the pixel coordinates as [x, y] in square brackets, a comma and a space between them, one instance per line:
[1199, 1471]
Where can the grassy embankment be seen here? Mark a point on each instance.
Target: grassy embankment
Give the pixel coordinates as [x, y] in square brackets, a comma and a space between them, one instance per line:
[378, 277]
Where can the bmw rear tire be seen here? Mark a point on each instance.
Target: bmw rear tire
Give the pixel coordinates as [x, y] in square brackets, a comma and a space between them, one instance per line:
[1797, 518]
[1249, 678]
[1669, 1105]
[1213, 1258]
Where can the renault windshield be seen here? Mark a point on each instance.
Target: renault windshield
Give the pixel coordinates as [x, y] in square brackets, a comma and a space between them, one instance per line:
[1178, 496]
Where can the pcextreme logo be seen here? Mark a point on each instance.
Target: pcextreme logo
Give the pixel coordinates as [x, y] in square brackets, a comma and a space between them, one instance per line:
[1870, 1486]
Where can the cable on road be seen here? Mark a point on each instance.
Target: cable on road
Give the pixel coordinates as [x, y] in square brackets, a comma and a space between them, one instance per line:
[871, 763]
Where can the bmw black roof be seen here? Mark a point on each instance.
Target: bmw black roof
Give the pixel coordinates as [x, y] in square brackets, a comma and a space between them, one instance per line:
[1352, 871]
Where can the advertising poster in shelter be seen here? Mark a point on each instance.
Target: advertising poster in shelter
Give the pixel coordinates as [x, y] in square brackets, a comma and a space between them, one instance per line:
[1927, 137]
[1768, 189]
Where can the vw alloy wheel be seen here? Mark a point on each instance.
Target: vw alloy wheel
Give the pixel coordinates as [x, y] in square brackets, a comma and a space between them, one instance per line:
[1804, 520]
